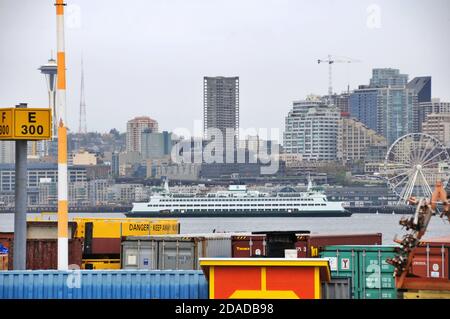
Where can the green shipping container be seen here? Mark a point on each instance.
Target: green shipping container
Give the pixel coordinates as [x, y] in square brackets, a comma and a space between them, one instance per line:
[372, 277]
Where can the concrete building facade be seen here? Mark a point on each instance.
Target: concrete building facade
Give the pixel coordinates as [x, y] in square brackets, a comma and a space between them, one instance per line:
[311, 129]
[221, 106]
[438, 126]
[135, 127]
[354, 140]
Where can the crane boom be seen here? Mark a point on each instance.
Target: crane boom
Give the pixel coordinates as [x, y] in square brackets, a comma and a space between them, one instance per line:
[331, 60]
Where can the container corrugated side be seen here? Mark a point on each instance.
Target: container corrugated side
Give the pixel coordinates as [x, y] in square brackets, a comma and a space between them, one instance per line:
[42, 253]
[123, 284]
[337, 288]
[217, 247]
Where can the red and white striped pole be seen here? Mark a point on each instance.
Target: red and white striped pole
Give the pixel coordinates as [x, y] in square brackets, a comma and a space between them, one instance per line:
[63, 205]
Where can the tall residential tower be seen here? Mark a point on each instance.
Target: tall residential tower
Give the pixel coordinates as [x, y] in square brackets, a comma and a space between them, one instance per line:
[135, 128]
[221, 105]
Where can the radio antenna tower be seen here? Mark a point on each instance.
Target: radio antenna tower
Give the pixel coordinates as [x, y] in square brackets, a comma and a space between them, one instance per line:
[82, 127]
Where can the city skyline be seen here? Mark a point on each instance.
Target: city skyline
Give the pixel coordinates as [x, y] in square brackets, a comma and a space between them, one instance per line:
[266, 82]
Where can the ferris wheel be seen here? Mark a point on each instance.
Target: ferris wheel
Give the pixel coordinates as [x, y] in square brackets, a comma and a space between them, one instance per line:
[414, 163]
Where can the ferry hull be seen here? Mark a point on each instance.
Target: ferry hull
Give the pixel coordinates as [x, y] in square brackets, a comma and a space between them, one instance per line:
[325, 213]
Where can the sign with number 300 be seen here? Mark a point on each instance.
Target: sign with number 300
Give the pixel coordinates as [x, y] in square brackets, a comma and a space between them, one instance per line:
[25, 124]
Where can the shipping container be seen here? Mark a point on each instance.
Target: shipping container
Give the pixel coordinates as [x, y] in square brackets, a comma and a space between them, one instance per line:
[111, 284]
[246, 246]
[102, 236]
[217, 245]
[179, 253]
[337, 288]
[47, 229]
[309, 245]
[372, 277]
[42, 253]
[278, 241]
[431, 261]
[173, 252]
[139, 254]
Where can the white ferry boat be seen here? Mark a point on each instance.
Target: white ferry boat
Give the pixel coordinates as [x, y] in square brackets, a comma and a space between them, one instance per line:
[237, 201]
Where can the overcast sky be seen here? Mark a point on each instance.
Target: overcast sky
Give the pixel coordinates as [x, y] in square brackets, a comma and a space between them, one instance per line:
[149, 57]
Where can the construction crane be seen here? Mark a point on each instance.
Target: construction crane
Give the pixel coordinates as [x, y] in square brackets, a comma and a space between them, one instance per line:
[331, 60]
[417, 226]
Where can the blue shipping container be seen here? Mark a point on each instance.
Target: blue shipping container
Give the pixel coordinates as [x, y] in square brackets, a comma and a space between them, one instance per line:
[108, 284]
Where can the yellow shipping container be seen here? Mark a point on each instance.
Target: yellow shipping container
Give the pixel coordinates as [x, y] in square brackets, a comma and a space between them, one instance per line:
[100, 264]
[118, 227]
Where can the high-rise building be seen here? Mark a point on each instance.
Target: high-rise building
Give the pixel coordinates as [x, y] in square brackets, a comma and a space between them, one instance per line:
[311, 129]
[156, 145]
[422, 86]
[354, 140]
[438, 125]
[363, 105]
[383, 77]
[135, 127]
[221, 107]
[395, 112]
[115, 165]
[7, 152]
[387, 105]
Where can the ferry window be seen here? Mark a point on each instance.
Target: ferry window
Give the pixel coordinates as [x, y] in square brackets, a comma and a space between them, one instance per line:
[304, 204]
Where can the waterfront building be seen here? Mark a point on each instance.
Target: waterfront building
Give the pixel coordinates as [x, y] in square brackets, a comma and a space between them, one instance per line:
[311, 130]
[98, 191]
[36, 172]
[438, 125]
[433, 106]
[354, 139]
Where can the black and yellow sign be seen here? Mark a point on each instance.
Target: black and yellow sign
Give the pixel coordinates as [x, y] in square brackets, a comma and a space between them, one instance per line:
[25, 124]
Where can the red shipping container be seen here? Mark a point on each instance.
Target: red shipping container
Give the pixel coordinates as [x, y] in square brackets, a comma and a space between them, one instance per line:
[248, 246]
[431, 261]
[310, 245]
[43, 253]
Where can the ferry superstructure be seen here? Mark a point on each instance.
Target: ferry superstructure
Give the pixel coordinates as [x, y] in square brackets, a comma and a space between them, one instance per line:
[237, 201]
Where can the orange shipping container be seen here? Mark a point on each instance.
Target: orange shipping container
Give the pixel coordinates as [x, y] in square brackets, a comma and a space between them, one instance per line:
[265, 278]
